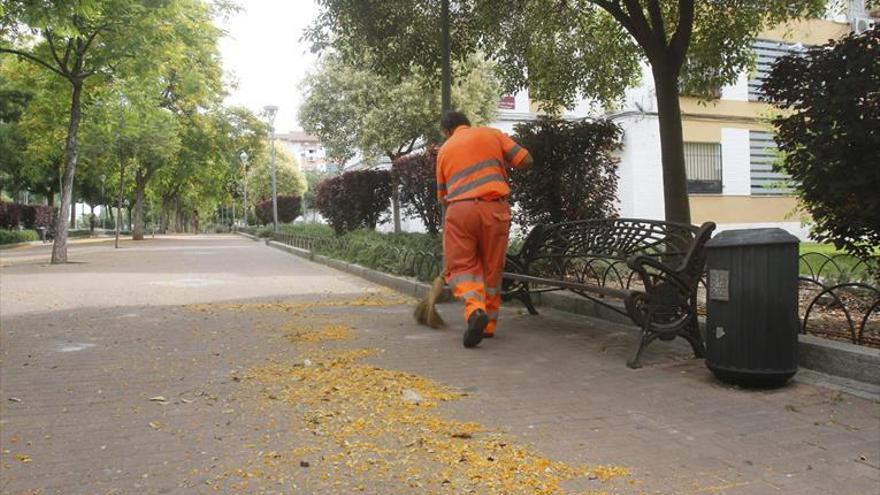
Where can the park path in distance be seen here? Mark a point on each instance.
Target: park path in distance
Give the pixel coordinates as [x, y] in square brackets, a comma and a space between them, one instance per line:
[214, 364]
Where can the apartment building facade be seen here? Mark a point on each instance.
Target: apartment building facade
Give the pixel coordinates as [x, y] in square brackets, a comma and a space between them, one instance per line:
[308, 150]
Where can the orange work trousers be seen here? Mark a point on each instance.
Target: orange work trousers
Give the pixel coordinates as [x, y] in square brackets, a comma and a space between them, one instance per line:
[475, 244]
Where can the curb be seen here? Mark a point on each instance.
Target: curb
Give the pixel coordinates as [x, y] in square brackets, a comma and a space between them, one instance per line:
[839, 359]
[251, 237]
[852, 361]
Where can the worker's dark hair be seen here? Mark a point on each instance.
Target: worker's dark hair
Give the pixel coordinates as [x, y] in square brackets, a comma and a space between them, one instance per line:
[452, 119]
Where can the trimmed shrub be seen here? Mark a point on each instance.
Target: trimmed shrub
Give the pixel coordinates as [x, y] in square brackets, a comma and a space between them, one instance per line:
[10, 215]
[263, 211]
[417, 176]
[355, 199]
[43, 216]
[13, 215]
[16, 236]
[574, 176]
[289, 208]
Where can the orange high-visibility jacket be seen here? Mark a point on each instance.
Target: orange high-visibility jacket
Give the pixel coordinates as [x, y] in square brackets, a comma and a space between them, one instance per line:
[472, 164]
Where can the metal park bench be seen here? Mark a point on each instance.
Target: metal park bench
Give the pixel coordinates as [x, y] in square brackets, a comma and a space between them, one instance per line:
[653, 267]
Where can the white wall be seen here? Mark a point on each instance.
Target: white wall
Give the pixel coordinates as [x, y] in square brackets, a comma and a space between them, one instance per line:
[739, 90]
[735, 166]
[641, 169]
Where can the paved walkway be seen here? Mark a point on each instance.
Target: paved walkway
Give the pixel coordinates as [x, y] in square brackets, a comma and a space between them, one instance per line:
[218, 365]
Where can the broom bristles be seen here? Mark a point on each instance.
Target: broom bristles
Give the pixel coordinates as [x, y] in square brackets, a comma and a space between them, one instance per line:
[426, 311]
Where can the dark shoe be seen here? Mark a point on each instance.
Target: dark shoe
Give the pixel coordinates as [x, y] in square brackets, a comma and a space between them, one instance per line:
[476, 324]
[488, 335]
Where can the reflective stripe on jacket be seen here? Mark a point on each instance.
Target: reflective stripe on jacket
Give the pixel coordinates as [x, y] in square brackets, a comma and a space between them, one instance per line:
[473, 162]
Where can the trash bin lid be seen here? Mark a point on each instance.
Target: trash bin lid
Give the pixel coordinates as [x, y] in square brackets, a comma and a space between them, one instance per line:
[751, 237]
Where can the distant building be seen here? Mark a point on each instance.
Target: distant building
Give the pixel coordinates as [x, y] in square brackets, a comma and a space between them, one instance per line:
[307, 149]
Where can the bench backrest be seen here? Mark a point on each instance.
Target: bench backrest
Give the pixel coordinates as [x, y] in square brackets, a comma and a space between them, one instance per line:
[597, 250]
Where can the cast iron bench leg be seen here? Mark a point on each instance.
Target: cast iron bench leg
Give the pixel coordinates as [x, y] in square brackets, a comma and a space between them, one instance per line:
[526, 298]
[692, 334]
[647, 337]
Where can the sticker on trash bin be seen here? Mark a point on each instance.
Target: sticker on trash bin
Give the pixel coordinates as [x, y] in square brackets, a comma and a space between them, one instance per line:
[719, 332]
[719, 285]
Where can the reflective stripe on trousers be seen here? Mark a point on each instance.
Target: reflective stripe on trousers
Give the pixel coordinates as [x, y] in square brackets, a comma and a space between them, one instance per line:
[475, 245]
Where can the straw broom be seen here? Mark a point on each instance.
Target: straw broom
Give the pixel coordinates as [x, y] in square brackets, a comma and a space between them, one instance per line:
[426, 311]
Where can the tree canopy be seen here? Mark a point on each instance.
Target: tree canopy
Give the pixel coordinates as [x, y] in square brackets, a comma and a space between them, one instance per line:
[564, 51]
[357, 110]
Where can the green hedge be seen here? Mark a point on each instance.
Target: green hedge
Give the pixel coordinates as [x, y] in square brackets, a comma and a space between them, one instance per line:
[16, 236]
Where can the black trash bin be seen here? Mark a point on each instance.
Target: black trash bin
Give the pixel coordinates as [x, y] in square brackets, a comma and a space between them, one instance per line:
[752, 307]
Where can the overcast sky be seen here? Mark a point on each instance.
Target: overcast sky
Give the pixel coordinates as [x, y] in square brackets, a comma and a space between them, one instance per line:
[263, 52]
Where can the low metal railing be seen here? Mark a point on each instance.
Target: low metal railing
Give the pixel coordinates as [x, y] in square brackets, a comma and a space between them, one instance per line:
[839, 292]
[423, 265]
[839, 298]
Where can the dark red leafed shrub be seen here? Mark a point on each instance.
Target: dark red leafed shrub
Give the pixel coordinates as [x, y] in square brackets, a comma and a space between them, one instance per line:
[4, 215]
[574, 176]
[416, 174]
[829, 134]
[289, 208]
[355, 199]
[10, 215]
[43, 216]
[13, 215]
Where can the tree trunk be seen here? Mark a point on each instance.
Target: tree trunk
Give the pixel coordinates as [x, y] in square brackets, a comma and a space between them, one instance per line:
[395, 194]
[677, 206]
[50, 198]
[395, 205]
[72, 209]
[59, 247]
[140, 180]
[118, 224]
[92, 220]
[128, 209]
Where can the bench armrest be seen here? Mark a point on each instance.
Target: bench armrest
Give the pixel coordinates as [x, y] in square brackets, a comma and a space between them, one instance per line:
[640, 265]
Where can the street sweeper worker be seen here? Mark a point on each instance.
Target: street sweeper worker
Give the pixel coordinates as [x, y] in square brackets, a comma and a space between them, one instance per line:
[472, 187]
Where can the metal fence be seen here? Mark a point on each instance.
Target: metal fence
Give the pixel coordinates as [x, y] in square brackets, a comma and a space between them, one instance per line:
[423, 265]
[839, 298]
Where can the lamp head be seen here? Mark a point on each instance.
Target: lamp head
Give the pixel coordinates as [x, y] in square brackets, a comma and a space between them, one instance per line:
[270, 111]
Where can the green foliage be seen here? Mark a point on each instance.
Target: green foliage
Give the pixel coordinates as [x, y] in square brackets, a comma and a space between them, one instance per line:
[160, 60]
[308, 230]
[390, 253]
[313, 178]
[16, 236]
[565, 51]
[290, 180]
[355, 199]
[356, 110]
[574, 175]
[828, 134]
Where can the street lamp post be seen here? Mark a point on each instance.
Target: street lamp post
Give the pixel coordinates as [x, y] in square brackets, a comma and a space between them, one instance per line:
[244, 161]
[271, 111]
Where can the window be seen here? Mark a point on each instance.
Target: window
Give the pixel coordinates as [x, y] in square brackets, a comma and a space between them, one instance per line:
[702, 162]
[766, 53]
[766, 180]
